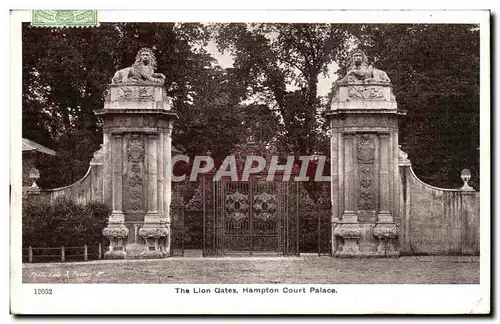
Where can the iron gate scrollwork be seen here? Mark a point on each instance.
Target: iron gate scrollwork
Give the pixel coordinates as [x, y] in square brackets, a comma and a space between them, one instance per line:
[249, 217]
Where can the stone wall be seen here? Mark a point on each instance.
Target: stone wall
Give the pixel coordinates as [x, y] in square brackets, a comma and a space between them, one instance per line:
[88, 188]
[437, 221]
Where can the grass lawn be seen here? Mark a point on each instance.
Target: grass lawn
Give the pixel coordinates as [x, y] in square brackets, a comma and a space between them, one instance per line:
[301, 270]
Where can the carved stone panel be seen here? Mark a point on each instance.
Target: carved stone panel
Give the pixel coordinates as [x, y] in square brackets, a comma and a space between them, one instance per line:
[135, 93]
[365, 148]
[366, 188]
[365, 157]
[137, 121]
[369, 121]
[127, 93]
[364, 92]
[146, 93]
[134, 193]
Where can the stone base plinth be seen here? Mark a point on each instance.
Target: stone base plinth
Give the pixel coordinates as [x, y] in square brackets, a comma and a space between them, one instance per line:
[154, 254]
[141, 251]
[113, 255]
[349, 233]
[387, 234]
[153, 235]
[116, 233]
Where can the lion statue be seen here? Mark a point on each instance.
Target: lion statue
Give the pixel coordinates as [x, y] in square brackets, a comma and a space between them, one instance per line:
[143, 70]
[360, 72]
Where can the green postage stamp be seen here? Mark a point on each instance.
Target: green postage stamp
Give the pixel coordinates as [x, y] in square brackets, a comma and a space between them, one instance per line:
[64, 18]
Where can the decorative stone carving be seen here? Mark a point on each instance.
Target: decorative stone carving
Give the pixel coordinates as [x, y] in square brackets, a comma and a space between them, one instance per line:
[389, 231]
[153, 232]
[135, 180]
[137, 122]
[265, 206]
[135, 148]
[135, 93]
[365, 148]
[146, 93]
[387, 235]
[135, 154]
[142, 71]
[127, 93]
[237, 206]
[115, 232]
[366, 155]
[349, 234]
[362, 92]
[360, 72]
[365, 195]
[107, 95]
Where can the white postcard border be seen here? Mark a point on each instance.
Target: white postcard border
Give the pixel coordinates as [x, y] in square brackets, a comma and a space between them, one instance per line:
[116, 298]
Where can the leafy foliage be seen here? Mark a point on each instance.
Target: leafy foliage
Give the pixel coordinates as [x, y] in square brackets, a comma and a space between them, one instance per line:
[280, 65]
[271, 90]
[65, 72]
[62, 223]
[435, 73]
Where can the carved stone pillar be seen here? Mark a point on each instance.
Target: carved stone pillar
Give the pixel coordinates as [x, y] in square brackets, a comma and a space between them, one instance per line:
[154, 226]
[167, 198]
[116, 231]
[364, 120]
[348, 229]
[385, 230]
[138, 115]
[334, 171]
[152, 160]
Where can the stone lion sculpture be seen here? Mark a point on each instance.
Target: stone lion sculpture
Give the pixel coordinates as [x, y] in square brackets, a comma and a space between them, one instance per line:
[360, 72]
[143, 70]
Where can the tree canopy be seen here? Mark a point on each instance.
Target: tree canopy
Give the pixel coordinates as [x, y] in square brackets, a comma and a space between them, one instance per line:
[435, 72]
[272, 88]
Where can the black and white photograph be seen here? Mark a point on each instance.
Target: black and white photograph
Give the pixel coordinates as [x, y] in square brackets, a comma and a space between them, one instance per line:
[250, 161]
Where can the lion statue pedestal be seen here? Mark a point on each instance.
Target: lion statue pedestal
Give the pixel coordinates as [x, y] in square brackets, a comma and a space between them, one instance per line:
[363, 118]
[137, 127]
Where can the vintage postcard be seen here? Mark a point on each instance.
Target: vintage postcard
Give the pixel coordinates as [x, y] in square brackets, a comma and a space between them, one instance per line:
[259, 162]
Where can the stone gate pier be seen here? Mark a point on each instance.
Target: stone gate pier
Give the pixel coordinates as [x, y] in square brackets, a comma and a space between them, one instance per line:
[137, 126]
[364, 171]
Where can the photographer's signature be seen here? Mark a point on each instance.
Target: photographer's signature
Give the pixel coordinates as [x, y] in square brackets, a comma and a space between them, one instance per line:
[67, 274]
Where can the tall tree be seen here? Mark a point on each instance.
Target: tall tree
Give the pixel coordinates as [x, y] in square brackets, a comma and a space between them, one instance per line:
[281, 63]
[65, 72]
[435, 73]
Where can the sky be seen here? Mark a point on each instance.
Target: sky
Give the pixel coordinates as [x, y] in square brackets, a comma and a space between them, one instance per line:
[226, 60]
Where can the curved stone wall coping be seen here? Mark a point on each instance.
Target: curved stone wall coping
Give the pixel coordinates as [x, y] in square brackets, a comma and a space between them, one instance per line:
[433, 187]
[71, 185]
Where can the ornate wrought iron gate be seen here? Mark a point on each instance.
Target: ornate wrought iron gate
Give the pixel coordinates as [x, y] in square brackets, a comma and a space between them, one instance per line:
[177, 230]
[250, 217]
[315, 230]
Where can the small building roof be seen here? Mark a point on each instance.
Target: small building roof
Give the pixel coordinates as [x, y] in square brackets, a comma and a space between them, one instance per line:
[30, 146]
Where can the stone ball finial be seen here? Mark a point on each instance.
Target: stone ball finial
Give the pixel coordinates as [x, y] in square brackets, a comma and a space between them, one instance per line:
[465, 175]
[34, 175]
